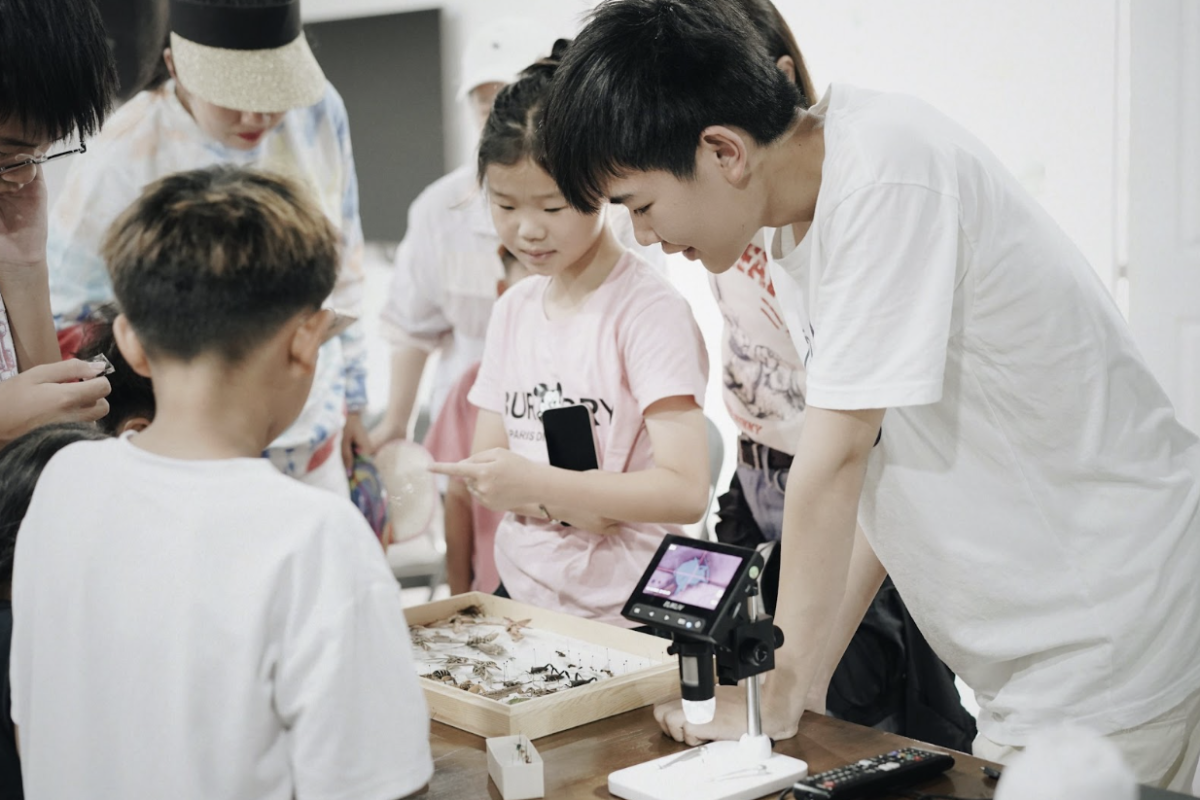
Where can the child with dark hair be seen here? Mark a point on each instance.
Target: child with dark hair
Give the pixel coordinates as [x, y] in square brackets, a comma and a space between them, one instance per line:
[1032, 494]
[21, 464]
[593, 325]
[246, 90]
[56, 81]
[242, 633]
[131, 401]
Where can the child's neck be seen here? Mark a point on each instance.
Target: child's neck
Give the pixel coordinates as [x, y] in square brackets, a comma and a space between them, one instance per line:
[794, 167]
[571, 288]
[207, 413]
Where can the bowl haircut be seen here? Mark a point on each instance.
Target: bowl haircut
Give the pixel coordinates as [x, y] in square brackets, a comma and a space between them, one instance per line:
[644, 79]
[216, 260]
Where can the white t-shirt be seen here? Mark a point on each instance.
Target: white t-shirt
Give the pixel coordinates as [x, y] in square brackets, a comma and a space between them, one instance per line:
[762, 377]
[1033, 496]
[204, 629]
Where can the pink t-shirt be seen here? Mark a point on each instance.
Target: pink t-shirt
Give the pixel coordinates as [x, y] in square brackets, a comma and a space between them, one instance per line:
[632, 343]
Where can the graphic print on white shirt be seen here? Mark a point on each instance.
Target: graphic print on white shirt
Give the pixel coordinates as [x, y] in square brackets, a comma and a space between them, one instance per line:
[763, 375]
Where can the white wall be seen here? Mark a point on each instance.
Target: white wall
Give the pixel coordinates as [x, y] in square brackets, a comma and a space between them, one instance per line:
[460, 20]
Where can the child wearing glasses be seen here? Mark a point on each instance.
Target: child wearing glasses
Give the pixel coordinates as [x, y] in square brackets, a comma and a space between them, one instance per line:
[242, 634]
[245, 90]
[56, 80]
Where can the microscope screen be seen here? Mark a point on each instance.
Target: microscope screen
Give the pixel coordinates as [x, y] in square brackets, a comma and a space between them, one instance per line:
[693, 576]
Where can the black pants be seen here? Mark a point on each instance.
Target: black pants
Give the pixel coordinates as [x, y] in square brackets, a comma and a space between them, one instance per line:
[889, 677]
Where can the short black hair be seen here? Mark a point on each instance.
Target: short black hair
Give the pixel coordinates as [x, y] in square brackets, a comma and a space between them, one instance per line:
[57, 76]
[218, 259]
[511, 131]
[780, 42]
[132, 395]
[641, 82]
[21, 463]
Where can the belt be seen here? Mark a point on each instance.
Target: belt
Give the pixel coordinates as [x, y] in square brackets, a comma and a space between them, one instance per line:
[758, 456]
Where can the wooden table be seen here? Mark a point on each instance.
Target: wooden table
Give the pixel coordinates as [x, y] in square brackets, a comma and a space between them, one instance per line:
[577, 761]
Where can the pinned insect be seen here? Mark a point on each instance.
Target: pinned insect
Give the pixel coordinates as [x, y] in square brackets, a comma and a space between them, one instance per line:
[487, 645]
[442, 675]
[480, 670]
[424, 638]
[467, 615]
[514, 627]
[579, 681]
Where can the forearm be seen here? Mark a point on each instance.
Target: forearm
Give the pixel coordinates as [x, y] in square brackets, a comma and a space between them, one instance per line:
[408, 363]
[583, 520]
[657, 494]
[460, 544]
[820, 515]
[866, 575]
[26, 293]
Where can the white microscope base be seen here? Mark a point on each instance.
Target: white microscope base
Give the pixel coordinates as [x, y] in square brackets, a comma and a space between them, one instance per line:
[716, 771]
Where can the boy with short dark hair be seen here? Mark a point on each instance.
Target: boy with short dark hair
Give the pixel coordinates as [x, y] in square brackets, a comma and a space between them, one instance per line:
[1032, 494]
[241, 634]
[56, 80]
[131, 401]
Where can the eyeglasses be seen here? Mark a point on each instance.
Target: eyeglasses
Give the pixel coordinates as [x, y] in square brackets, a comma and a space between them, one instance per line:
[20, 161]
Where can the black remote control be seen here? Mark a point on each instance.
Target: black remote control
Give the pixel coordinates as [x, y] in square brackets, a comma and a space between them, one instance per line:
[873, 776]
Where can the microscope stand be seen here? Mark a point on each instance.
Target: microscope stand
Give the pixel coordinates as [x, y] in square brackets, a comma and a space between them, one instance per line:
[742, 770]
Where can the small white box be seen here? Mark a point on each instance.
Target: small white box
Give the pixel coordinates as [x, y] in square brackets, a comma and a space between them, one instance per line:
[516, 767]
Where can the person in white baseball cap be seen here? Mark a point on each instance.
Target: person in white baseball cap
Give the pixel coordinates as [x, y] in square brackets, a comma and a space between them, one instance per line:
[494, 57]
[447, 267]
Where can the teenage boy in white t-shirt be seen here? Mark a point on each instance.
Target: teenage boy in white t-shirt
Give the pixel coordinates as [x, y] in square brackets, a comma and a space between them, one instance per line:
[189, 622]
[1032, 495]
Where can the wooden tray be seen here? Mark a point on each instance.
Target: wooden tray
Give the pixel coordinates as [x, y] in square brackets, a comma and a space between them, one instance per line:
[542, 716]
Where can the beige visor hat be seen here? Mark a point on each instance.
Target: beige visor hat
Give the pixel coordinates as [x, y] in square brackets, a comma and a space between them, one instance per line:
[247, 57]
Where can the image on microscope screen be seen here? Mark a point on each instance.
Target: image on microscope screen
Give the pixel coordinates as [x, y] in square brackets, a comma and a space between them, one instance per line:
[696, 577]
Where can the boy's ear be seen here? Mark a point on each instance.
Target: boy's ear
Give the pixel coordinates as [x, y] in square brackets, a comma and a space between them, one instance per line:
[727, 150]
[170, 62]
[788, 67]
[130, 346]
[135, 424]
[308, 338]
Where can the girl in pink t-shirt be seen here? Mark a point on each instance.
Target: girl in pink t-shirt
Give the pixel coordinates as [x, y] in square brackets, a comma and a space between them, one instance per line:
[594, 325]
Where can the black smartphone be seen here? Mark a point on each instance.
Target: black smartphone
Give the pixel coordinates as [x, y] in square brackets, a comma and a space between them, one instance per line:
[571, 437]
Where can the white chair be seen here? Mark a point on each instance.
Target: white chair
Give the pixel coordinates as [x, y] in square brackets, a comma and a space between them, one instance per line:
[421, 560]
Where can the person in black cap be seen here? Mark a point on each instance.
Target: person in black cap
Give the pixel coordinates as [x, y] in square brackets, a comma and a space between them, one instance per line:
[245, 89]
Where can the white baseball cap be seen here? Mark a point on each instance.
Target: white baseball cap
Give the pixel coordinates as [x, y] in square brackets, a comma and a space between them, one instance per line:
[500, 50]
